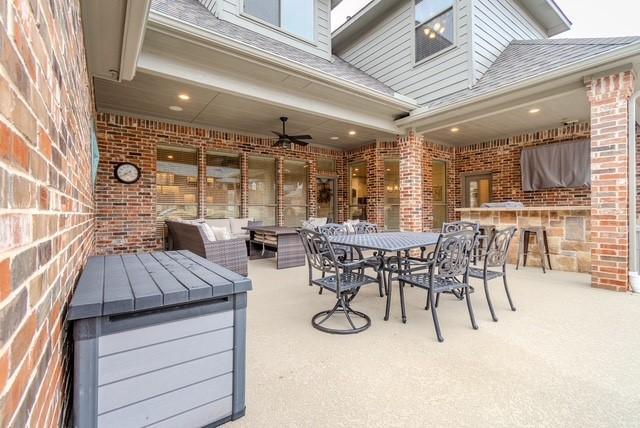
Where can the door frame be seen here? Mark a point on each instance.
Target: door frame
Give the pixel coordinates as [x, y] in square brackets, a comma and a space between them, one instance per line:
[463, 185]
[445, 190]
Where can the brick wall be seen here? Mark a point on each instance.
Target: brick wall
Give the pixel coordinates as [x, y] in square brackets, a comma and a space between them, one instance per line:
[46, 204]
[125, 214]
[502, 158]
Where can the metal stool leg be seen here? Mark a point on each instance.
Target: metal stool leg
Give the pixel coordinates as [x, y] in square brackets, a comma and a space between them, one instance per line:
[540, 242]
[546, 248]
[527, 235]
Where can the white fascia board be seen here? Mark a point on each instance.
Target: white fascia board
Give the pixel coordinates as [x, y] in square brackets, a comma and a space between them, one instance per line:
[133, 35]
[579, 67]
[160, 64]
[187, 31]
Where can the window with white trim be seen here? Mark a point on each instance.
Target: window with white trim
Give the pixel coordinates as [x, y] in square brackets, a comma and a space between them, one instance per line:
[293, 16]
[434, 30]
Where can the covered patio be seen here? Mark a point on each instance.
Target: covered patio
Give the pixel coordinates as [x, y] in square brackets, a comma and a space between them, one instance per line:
[555, 360]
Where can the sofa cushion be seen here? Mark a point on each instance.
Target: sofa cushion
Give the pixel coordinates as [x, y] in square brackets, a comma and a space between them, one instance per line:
[222, 233]
[208, 232]
[244, 236]
[219, 222]
[237, 225]
[318, 221]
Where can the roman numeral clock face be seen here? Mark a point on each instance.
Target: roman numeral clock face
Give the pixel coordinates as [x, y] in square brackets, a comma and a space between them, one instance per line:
[127, 173]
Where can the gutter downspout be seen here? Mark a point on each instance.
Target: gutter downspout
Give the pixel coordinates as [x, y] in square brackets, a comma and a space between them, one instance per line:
[634, 278]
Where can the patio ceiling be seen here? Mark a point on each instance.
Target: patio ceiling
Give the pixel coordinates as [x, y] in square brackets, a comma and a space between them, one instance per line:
[517, 118]
[152, 96]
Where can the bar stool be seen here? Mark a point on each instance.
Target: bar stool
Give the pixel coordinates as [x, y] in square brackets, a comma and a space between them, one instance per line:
[541, 240]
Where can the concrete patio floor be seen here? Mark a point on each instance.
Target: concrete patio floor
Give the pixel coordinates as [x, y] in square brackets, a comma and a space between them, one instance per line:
[569, 356]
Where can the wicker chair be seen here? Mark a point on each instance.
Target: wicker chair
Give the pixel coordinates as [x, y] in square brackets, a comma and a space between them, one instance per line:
[495, 257]
[343, 278]
[229, 253]
[447, 269]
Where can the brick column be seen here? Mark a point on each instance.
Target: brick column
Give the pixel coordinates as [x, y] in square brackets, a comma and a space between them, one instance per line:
[279, 191]
[312, 194]
[202, 182]
[244, 185]
[411, 161]
[609, 98]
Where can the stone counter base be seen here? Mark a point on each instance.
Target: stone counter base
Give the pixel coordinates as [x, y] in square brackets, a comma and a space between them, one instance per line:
[568, 234]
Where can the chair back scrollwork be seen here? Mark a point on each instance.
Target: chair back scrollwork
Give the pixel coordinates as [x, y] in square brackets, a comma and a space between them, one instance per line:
[365, 227]
[333, 229]
[499, 247]
[452, 255]
[460, 225]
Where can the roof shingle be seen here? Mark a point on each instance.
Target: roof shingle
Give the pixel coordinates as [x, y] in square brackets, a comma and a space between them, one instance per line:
[525, 59]
[193, 12]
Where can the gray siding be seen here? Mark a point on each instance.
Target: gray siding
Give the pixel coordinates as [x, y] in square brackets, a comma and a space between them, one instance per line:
[211, 5]
[230, 10]
[495, 24]
[386, 53]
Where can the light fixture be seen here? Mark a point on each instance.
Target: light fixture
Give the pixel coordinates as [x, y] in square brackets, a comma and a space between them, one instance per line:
[356, 169]
[534, 110]
[184, 97]
[352, 132]
[169, 156]
[427, 31]
[455, 129]
[354, 175]
[388, 169]
[442, 30]
[432, 35]
[175, 108]
[436, 27]
[334, 138]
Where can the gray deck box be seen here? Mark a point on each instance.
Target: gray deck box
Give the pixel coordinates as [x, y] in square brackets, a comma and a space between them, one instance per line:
[159, 340]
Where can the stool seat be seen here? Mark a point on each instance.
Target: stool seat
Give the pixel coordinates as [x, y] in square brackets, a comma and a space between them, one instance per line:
[543, 246]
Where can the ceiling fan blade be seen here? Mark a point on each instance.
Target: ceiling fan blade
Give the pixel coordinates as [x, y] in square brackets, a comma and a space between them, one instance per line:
[301, 137]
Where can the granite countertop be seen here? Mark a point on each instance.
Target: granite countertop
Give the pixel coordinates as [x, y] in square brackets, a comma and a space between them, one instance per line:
[546, 208]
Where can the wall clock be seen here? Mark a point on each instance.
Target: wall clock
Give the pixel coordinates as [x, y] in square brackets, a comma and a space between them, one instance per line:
[127, 173]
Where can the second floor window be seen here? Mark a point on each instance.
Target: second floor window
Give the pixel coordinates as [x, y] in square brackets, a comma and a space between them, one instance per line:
[294, 16]
[433, 27]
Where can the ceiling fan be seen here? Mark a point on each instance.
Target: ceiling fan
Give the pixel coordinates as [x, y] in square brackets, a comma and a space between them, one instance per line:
[286, 141]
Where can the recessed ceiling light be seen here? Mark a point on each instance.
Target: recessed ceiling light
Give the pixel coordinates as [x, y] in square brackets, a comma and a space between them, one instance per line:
[388, 169]
[184, 97]
[169, 156]
[534, 111]
[334, 138]
[356, 169]
[455, 129]
[352, 132]
[175, 108]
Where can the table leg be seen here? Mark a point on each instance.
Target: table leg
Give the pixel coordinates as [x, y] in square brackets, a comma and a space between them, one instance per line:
[390, 286]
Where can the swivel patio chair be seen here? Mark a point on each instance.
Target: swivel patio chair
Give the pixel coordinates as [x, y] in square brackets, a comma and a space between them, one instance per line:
[346, 253]
[343, 278]
[495, 257]
[447, 269]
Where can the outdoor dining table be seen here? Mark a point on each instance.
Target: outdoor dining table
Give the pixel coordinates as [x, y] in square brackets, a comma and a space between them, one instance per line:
[387, 242]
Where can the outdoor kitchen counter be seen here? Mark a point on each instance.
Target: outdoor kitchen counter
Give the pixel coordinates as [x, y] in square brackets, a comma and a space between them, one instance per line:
[568, 229]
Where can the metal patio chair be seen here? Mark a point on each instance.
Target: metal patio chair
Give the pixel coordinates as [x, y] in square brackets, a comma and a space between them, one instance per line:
[343, 278]
[447, 269]
[495, 257]
[346, 253]
[365, 227]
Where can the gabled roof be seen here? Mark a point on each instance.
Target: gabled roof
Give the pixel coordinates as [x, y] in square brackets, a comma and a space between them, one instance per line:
[525, 59]
[194, 13]
[545, 12]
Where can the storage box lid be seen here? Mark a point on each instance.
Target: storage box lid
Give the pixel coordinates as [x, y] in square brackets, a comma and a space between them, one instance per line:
[129, 283]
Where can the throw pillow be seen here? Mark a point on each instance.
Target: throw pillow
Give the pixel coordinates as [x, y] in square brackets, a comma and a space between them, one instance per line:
[208, 232]
[221, 233]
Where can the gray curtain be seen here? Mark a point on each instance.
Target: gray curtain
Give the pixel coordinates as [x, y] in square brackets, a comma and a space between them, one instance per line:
[565, 164]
